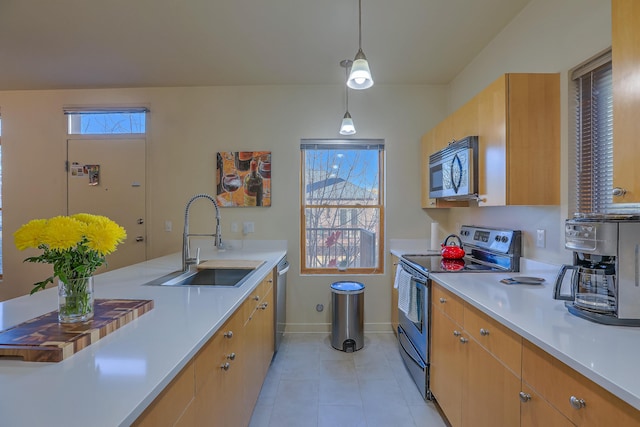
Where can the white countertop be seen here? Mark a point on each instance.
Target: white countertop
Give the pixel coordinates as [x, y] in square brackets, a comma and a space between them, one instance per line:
[608, 355]
[113, 380]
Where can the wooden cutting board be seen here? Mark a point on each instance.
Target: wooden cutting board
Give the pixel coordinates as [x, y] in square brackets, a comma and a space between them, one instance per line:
[44, 339]
[248, 264]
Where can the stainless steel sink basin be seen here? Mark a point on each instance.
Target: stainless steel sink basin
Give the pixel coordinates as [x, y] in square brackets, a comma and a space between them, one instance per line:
[221, 277]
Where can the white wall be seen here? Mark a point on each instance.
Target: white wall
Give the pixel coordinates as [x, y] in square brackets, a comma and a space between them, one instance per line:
[547, 36]
[187, 127]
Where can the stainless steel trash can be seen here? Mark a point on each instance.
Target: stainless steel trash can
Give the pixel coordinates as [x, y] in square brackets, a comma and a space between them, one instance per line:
[347, 316]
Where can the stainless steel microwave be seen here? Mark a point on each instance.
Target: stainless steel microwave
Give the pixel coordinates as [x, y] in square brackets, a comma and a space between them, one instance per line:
[453, 171]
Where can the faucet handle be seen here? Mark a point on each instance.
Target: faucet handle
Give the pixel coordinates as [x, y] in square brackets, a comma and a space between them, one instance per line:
[197, 260]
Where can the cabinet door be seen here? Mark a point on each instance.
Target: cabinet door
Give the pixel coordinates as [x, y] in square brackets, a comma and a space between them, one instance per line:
[492, 142]
[465, 120]
[537, 412]
[625, 52]
[447, 366]
[490, 392]
[560, 385]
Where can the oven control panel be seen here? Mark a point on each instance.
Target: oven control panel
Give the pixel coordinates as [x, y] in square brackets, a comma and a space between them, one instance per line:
[494, 239]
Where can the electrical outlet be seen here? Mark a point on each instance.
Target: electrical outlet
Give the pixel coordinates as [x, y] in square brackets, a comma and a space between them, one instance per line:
[168, 226]
[540, 238]
[248, 227]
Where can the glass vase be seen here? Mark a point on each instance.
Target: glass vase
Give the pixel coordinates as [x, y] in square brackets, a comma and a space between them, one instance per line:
[75, 300]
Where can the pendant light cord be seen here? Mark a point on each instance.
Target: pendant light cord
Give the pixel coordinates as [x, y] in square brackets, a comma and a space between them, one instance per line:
[360, 24]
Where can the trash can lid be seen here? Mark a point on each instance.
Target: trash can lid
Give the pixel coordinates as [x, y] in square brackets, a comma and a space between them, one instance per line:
[347, 286]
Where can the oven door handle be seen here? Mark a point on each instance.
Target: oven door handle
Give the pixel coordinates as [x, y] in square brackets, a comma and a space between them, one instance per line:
[409, 350]
[420, 279]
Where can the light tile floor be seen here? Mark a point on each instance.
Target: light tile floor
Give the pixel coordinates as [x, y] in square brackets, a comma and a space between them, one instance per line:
[310, 384]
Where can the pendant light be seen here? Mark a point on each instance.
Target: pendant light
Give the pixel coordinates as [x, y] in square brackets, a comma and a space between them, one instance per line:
[360, 77]
[347, 127]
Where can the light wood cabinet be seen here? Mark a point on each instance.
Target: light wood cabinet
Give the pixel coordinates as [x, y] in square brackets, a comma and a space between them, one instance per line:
[221, 384]
[433, 141]
[174, 401]
[519, 140]
[517, 121]
[576, 397]
[395, 322]
[625, 51]
[484, 374]
[469, 377]
[447, 367]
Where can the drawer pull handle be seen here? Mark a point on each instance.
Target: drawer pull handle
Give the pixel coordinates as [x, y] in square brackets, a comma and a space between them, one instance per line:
[256, 298]
[524, 397]
[270, 280]
[484, 332]
[456, 333]
[442, 300]
[228, 334]
[463, 340]
[263, 306]
[231, 356]
[577, 403]
[225, 366]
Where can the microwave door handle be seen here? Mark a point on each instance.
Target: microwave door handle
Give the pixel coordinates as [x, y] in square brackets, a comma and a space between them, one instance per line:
[456, 185]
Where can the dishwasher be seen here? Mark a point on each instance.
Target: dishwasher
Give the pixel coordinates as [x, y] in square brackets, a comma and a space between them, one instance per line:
[280, 318]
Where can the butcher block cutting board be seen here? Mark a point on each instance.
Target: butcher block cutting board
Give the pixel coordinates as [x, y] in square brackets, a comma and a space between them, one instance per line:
[248, 264]
[44, 339]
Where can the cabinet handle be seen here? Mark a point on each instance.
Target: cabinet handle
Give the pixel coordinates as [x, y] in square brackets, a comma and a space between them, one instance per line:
[270, 280]
[619, 192]
[442, 300]
[256, 298]
[225, 366]
[524, 397]
[463, 340]
[484, 332]
[577, 403]
[231, 356]
[263, 306]
[456, 333]
[228, 334]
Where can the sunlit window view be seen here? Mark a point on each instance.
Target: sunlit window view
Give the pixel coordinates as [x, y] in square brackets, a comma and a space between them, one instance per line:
[342, 205]
[106, 122]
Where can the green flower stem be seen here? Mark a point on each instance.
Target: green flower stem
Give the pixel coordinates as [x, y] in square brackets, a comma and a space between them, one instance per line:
[77, 298]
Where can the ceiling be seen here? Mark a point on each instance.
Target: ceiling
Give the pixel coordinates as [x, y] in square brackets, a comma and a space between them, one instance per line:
[47, 44]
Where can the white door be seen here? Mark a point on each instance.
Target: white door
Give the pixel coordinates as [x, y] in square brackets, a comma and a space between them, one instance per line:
[107, 177]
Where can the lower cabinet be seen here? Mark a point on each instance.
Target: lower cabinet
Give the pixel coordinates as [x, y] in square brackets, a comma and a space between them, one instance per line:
[472, 385]
[220, 385]
[484, 374]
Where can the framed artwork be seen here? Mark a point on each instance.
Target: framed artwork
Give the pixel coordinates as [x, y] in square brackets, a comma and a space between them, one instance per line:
[243, 178]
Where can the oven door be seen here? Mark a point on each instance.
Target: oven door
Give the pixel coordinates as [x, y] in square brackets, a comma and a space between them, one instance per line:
[417, 330]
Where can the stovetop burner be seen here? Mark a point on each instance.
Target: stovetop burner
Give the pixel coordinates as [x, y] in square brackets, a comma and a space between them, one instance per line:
[435, 263]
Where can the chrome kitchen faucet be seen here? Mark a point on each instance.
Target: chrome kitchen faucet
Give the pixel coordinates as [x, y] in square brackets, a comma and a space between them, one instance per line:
[187, 260]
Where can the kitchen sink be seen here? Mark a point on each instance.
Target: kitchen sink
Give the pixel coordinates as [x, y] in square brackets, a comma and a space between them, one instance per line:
[219, 277]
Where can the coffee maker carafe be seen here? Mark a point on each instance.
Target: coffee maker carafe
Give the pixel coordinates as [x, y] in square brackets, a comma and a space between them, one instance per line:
[604, 284]
[592, 283]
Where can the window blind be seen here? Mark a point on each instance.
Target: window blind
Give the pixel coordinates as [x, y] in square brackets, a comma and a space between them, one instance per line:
[594, 137]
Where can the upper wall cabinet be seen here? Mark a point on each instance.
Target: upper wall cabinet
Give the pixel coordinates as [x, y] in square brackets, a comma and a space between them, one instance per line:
[517, 120]
[625, 52]
[519, 140]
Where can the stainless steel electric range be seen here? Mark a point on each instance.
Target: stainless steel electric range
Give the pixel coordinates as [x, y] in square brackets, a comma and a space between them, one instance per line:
[486, 250]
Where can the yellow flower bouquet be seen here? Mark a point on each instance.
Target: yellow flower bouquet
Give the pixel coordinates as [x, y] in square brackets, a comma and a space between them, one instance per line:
[76, 245]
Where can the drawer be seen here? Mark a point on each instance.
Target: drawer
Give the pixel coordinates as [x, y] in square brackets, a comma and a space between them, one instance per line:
[559, 385]
[220, 349]
[497, 339]
[449, 303]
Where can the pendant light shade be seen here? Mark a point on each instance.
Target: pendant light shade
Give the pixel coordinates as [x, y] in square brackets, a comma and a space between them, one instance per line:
[360, 77]
[347, 127]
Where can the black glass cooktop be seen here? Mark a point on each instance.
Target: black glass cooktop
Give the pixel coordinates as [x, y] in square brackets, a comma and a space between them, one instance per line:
[435, 263]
